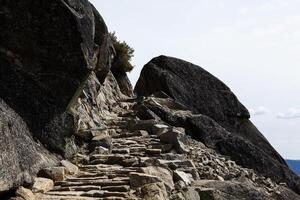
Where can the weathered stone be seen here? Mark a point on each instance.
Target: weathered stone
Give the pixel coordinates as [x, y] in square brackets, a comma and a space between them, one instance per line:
[122, 79]
[42, 185]
[154, 191]
[104, 141]
[192, 194]
[54, 173]
[141, 125]
[25, 193]
[177, 196]
[153, 152]
[177, 138]
[121, 188]
[208, 193]
[159, 129]
[164, 174]
[141, 179]
[101, 150]
[121, 151]
[143, 113]
[182, 176]
[69, 167]
[174, 164]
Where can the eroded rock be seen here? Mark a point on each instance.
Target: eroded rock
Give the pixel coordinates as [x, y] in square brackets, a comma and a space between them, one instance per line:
[42, 185]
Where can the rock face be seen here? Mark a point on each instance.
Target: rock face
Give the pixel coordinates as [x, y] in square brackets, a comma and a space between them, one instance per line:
[123, 81]
[21, 157]
[47, 51]
[224, 122]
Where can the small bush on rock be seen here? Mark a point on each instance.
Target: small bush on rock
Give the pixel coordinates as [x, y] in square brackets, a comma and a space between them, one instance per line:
[124, 53]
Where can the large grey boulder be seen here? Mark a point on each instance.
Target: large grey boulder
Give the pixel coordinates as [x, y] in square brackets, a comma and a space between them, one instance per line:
[47, 51]
[218, 120]
[20, 156]
[202, 93]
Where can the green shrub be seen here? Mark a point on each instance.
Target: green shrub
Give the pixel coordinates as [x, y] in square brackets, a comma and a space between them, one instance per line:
[124, 53]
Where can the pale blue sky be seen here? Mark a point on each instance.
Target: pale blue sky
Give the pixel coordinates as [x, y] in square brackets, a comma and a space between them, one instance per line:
[253, 46]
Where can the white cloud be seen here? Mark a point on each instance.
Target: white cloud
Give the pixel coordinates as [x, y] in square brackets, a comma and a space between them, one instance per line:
[261, 110]
[292, 113]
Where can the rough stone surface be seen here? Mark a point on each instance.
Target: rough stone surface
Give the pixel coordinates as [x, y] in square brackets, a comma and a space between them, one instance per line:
[54, 173]
[47, 50]
[164, 174]
[155, 191]
[182, 176]
[228, 128]
[141, 179]
[175, 137]
[70, 168]
[25, 193]
[123, 80]
[21, 157]
[42, 185]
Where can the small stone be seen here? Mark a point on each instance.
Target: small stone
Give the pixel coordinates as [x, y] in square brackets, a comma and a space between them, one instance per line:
[182, 176]
[104, 141]
[69, 167]
[101, 150]
[142, 133]
[25, 193]
[159, 129]
[140, 179]
[42, 185]
[220, 178]
[54, 173]
[176, 137]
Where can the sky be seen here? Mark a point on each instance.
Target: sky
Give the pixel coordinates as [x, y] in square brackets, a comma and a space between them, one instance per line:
[252, 46]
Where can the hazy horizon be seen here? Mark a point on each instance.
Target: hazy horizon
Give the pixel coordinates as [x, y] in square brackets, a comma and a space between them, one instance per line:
[251, 46]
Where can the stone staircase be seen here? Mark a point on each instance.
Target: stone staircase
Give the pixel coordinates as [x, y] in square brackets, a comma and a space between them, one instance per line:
[138, 159]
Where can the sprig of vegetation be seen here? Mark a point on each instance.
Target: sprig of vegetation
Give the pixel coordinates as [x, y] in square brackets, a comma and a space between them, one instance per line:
[124, 54]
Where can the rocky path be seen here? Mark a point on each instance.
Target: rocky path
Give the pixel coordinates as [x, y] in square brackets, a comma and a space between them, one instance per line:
[117, 158]
[141, 159]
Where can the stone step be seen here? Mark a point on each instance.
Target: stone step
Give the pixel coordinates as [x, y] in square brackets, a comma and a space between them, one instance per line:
[78, 179]
[65, 193]
[120, 188]
[108, 182]
[92, 193]
[77, 188]
[60, 197]
[97, 193]
[121, 151]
